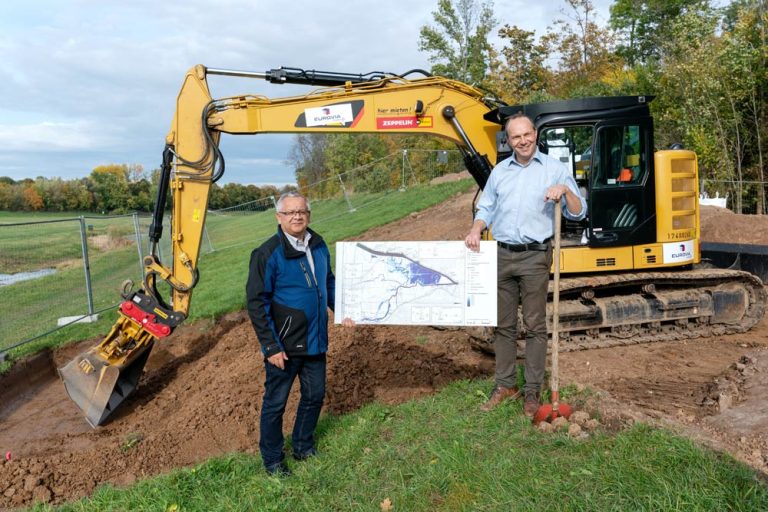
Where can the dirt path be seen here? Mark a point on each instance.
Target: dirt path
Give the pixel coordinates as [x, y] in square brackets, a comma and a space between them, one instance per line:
[201, 391]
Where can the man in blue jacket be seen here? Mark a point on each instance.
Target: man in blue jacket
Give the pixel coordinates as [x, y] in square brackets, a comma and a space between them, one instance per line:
[290, 288]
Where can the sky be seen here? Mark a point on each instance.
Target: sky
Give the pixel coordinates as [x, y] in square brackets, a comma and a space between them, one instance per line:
[94, 82]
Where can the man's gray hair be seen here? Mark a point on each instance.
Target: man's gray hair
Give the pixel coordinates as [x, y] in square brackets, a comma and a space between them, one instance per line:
[291, 194]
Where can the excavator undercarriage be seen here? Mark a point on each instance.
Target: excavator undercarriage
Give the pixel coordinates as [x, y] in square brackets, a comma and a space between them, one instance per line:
[601, 311]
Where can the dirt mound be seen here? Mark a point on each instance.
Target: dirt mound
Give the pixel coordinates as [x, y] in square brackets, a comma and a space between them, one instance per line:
[723, 226]
[200, 397]
[201, 392]
[109, 242]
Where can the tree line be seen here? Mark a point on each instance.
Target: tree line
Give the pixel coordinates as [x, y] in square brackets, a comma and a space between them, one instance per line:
[113, 189]
[705, 65]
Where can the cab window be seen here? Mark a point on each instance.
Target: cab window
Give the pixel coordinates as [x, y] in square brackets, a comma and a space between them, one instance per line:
[619, 160]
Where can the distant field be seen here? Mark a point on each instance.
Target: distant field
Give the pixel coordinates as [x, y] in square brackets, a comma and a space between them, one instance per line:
[32, 307]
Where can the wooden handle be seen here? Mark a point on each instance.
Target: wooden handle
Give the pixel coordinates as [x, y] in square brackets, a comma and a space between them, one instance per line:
[556, 302]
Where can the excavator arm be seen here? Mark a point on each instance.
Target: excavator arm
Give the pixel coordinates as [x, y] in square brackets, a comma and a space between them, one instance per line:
[100, 379]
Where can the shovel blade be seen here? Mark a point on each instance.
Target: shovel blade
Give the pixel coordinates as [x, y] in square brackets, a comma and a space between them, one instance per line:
[98, 387]
[548, 413]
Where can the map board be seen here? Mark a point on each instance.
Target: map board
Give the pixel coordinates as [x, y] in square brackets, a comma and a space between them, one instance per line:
[416, 283]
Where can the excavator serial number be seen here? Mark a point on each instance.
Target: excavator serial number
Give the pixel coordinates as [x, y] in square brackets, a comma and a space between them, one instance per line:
[685, 235]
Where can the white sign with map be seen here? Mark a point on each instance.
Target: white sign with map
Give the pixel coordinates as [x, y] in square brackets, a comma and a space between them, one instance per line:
[416, 283]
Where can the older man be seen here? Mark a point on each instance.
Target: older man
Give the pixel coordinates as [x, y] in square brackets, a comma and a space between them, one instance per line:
[290, 288]
[518, 203]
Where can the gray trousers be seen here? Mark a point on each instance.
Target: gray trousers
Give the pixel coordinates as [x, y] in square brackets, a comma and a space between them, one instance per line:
[523, 278]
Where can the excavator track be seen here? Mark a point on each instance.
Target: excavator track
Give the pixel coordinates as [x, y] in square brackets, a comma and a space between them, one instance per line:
[601, 311]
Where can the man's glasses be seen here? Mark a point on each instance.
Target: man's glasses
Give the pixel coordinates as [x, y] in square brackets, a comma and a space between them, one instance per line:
[292, 213]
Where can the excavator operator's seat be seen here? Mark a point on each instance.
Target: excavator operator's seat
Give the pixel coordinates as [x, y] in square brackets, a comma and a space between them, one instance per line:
[627, 216]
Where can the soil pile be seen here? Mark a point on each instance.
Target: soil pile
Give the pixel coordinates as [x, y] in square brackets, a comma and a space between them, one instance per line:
[201, 392]
[723, 226]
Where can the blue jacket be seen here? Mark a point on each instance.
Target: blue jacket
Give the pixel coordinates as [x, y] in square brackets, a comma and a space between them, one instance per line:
[288, 307]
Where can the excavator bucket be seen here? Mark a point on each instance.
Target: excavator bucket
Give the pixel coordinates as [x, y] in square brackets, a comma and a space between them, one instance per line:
[99, 387]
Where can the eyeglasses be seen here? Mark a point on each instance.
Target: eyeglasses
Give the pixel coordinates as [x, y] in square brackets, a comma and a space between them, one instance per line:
[300, 213]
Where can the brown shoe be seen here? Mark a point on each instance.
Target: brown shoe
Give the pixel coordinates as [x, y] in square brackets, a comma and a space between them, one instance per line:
[500, 393]
[531, 404]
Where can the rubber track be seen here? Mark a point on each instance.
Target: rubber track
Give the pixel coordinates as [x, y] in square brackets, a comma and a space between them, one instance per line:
[572, 287]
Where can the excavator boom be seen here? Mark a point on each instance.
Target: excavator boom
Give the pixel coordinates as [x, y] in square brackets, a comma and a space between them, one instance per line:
[100, 379]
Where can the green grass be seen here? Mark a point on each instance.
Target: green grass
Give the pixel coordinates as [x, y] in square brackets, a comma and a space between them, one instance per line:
[223, 272]
[441, 454]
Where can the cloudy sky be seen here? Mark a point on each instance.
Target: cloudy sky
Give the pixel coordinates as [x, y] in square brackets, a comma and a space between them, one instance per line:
[92, 82]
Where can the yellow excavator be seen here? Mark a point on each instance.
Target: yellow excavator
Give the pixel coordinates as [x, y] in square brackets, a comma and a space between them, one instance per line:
[632, 263]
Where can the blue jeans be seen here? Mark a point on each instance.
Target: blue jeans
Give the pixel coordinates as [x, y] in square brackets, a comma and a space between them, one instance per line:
[311, 373]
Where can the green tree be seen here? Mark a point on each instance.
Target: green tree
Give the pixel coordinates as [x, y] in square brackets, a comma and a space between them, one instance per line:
[355, 162]
[587, 57]
[713, 78]
[109, 186]
[458, 44]
[520, 69]
[644, 25]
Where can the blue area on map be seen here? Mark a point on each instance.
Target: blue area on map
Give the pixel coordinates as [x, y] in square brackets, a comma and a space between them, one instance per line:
[423, 276]
[411, 275]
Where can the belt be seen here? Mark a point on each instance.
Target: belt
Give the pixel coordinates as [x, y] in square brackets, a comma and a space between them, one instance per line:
[525, 247]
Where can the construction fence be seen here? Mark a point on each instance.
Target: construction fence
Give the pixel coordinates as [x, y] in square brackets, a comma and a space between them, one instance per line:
[748, 197]
[54, 273]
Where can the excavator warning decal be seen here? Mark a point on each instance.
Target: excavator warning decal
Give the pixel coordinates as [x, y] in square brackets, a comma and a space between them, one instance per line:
[393, 123]
[342, 115]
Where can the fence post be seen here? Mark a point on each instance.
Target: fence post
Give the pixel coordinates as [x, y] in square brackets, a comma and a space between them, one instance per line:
[350, 209]
[402, 171]
[86, 265]
[137, 231]
[208, 239]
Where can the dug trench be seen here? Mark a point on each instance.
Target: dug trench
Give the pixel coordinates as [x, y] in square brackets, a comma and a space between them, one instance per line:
[201, 391]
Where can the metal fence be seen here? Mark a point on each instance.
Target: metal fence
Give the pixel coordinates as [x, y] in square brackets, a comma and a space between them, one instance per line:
[56, 272]
[750, 197]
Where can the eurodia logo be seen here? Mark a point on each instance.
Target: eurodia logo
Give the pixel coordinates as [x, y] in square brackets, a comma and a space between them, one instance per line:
[332, 115]
[678, 252]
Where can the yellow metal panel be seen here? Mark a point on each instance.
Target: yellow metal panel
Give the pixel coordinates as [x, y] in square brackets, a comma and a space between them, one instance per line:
[652, 256]
[584, 259]
[389, 107]
[677, 192]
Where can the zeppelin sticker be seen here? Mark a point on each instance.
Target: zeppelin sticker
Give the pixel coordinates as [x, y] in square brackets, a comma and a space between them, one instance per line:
[394, 123]
[678, 252]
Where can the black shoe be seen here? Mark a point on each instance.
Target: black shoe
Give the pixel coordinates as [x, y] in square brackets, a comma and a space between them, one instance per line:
[279, 469]
[305, 455]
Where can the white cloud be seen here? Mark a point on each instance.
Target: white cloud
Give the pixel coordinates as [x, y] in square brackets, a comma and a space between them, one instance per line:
[54, 136]
[89, 82]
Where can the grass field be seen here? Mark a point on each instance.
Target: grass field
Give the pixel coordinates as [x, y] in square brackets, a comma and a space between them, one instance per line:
[441, 454]
[223, 271]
